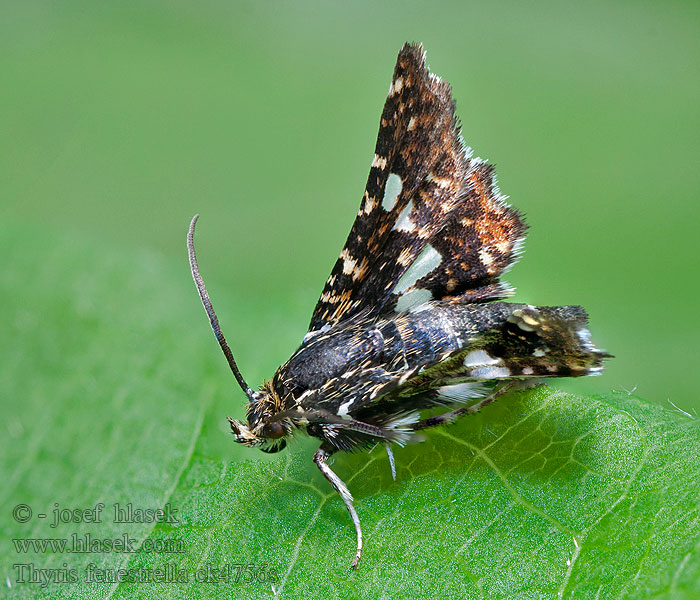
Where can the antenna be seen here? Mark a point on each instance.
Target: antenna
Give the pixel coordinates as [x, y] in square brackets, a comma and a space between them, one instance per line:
[204, 297]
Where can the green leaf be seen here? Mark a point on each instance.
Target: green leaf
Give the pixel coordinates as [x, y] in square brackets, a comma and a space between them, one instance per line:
[106, 377]
[543, 495]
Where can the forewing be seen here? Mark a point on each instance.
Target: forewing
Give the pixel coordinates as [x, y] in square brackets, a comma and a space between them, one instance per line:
[432, 223]
[417, 173]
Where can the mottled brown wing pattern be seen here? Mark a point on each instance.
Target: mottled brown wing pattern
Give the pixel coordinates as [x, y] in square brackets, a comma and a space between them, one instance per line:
[417, 174]
[432, 223]
[481, 238]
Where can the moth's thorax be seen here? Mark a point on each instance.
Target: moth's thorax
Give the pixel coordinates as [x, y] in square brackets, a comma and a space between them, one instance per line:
[328, 355]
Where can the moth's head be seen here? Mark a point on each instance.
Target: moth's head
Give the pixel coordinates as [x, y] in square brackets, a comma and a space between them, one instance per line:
[262, 430]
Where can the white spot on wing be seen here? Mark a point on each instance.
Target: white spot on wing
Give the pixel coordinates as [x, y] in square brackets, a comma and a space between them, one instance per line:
[490, 372]
[378, 162]
[526, 322]
[392, 189]
[404, 222]
[427, 261]
[396, 86]
[349, 262]
[441, 182]
[413, 300]
[480, 358]
[486, 257]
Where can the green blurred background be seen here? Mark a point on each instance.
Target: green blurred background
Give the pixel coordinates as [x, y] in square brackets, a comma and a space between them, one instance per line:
[121, 120]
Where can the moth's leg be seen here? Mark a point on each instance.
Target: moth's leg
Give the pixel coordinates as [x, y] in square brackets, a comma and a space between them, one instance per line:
[325, 417]
[450, 417]
[320, 458]
[390, 454]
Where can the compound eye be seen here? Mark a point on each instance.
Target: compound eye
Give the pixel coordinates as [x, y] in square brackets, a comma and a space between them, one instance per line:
[273, 430]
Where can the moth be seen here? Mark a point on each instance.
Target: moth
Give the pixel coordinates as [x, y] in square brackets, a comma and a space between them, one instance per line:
[410, 331]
